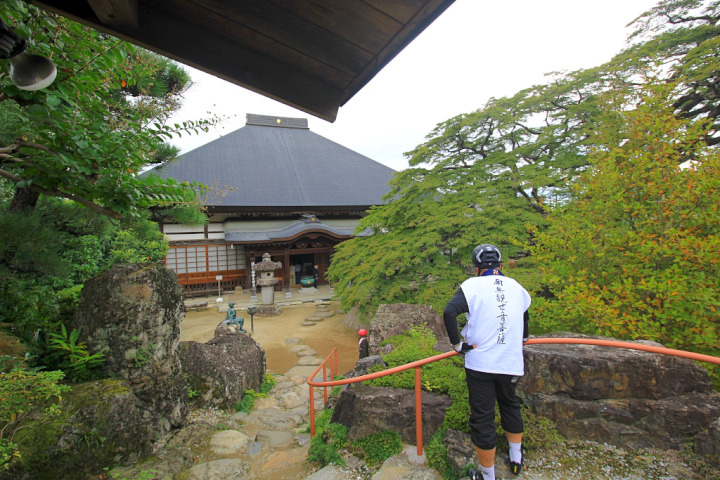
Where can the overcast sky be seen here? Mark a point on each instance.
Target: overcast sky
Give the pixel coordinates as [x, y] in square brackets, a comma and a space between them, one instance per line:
[476, 50]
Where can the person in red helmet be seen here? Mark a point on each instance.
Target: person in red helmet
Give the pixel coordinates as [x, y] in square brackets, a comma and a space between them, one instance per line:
[497, 325]
[363, 347]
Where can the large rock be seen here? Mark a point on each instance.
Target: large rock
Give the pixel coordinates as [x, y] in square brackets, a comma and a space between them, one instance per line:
[395, 319]
[460, 449]
[221, 370]
[366, 410]
[99, 424]
[707, 444]
[133, 313]
[619, 396]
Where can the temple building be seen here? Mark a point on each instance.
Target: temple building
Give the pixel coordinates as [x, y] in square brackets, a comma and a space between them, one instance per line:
[275, 187]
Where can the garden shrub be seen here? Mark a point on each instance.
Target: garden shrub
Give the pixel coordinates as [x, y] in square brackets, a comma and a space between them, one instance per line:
[21, 391]
[378, 447]
[436, 453]
[247, 403]
[267, 384]
[72, 357]
[328, 440]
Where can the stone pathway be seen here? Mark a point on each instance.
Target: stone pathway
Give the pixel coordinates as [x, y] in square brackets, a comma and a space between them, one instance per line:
[271, 443]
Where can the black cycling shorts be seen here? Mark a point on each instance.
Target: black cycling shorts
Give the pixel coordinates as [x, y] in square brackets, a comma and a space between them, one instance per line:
[484, 390]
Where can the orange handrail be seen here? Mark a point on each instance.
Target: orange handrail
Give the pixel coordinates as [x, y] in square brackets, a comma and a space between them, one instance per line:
[633, 346]
[419, 363]
[418, 391]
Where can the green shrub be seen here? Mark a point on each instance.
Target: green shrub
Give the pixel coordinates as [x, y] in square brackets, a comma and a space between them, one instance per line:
[21, 391]
[267, 384]
[72, 357]
[247, 403]
[378, 447]
[328, 440]
[436, 453]
[417, 344]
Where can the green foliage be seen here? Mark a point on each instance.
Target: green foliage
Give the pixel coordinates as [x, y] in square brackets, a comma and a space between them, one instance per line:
[48, 253]
[143, 243]
[539, 432]
[417, 344]
[635, 256]
[493, 175]
[144, 353]
[149, 474]
[21, 391]
[328, 440]
[436, 453]
[72, 357]
[378, 447]
[444, 377]
[267, 385]
[88, 135]
[247, 403]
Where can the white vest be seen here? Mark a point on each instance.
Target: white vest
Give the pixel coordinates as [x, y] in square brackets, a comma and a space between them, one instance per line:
[495, 324]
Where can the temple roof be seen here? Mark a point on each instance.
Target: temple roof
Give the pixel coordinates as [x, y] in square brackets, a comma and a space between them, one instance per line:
[277, 162]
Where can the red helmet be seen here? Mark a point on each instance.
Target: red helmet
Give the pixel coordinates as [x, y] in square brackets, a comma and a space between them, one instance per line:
[362, 332]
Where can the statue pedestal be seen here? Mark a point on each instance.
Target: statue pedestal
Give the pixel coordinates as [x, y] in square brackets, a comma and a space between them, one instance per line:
[268, 310]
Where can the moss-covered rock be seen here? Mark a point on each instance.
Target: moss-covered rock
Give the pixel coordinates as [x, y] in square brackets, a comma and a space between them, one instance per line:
[99, 424]
[132, 313]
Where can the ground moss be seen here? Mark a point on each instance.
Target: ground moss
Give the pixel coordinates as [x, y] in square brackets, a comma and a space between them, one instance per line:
[67, 446]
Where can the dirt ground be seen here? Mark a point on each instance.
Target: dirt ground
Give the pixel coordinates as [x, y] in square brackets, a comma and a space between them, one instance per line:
[271, 332]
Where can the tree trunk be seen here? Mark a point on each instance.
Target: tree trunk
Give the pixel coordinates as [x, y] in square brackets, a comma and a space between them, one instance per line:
[24, 199]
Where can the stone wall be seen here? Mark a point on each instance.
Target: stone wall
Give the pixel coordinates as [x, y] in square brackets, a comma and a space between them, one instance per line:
[623, 397]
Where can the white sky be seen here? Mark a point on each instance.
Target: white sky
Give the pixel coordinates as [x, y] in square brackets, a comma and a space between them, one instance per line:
[474, 51]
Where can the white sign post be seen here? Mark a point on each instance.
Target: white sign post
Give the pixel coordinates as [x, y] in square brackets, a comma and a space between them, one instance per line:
[218, 278]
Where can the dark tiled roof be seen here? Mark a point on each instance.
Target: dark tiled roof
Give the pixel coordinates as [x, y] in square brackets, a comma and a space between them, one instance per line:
[281, 165]
[293, 230]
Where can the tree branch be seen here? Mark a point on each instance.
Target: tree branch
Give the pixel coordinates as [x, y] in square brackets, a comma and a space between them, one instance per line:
[58, 193]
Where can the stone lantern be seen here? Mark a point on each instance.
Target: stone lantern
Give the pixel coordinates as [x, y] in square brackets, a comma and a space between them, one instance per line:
[266, 271]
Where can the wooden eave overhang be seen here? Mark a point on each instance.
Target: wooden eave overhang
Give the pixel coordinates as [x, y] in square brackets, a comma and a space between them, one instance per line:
[313, 55]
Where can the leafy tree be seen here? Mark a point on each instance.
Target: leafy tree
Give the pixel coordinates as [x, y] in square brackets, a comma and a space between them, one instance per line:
[88, 135]
[48, 253]
[635, 255]
[682, 37]
[495, 174]
[488, 176]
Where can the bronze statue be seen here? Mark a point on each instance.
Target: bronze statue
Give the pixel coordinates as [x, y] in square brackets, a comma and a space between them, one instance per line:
[232, 319]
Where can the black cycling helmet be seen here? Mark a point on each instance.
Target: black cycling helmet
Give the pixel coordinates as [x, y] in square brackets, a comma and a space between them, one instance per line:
[486, 256]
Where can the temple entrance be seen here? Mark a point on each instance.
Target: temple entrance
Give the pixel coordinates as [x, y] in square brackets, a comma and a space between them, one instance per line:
[301, 266]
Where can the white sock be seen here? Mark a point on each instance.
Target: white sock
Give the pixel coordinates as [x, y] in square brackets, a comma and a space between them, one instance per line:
[488, 473]
[515, 452]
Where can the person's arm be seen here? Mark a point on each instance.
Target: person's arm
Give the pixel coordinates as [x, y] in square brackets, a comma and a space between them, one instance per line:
[526, 326]
[456, 306]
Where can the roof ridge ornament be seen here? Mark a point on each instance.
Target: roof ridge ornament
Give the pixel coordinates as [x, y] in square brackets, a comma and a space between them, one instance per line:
[277, 122]
[308, 218]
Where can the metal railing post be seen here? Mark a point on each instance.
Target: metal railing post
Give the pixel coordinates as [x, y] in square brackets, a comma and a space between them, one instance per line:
[325, 380]
[312, 411]
[418, 412]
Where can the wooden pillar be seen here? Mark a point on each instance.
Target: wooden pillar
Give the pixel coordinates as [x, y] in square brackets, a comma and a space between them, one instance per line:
[286, 266]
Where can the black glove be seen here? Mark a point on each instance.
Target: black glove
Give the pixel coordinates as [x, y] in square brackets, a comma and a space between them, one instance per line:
[461, 348]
